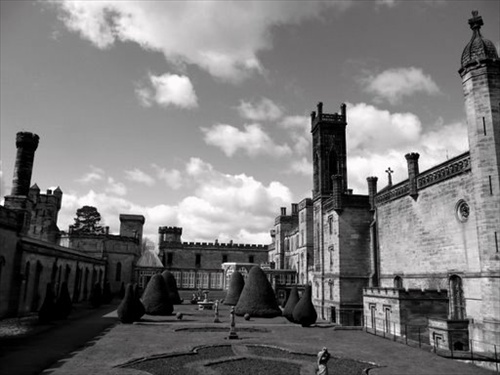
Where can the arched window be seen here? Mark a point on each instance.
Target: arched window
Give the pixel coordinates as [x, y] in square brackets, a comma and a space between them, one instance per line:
[457, 301]
[68, 272]
[118, 273]
[398, 282]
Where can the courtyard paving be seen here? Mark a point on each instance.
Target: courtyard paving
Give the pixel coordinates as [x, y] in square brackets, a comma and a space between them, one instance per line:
[264, 346]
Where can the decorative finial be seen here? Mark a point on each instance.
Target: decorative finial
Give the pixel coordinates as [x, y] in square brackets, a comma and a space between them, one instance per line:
[476, 21]
[389, 172]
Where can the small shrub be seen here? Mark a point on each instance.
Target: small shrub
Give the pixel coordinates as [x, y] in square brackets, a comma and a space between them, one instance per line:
[179, 316]
[304, 312]
[63, 304]
[236, 284]
[128, 308]
[291, 302]
[96, 296]
[107, 297]
[246, 316]
[173, 292]
[47, 310]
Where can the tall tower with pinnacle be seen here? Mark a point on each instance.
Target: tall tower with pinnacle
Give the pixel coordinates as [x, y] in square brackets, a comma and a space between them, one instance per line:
[480, 73]
[329, 150]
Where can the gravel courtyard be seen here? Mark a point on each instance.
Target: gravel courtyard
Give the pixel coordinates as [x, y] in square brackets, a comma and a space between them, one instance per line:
[197, 345]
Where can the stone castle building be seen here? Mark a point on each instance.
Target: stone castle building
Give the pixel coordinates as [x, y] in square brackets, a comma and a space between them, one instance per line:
[34, 252]
[199, 265]
[423, 252]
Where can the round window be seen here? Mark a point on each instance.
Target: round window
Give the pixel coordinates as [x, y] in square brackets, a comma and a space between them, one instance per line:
[462, 210]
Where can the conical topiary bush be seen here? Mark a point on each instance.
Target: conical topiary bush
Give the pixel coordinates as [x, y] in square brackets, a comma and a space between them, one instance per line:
[236, 284]
[140, 307]
[257, 297]
[121, 292]
[128, 310]
[155, 298]
[95, 298]
[304, 312]
[48, 309]
[291, 302]
[63, 303]
[173, 292]
[107, 297]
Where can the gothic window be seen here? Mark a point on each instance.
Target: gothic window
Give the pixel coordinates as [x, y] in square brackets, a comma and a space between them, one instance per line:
[118, 273]
[330, 224]
[457, 301]
[250, 259]
[398, 282]
[198, 260]
[36, 294]
[224, 258]
[170, 257]
[68, 272]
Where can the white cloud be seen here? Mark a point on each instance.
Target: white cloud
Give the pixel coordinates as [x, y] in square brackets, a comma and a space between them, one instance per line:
[393, 84]
[252, 140]
[378, 139]
[222, 37]
[302, 166]
[95, 174]
[167, 90]
[137, 175]
[216, 207]
[172, 178]
[265, 110]
[114, 187]
[387, 3]
[299, 129]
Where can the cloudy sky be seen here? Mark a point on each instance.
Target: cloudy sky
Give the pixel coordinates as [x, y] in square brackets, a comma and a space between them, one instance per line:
[196, 114]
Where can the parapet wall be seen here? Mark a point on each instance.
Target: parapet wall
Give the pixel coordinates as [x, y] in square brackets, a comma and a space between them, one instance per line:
[415, 294]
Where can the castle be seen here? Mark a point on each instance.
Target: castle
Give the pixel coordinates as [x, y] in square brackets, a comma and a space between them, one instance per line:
[34, 252]
[423, 252]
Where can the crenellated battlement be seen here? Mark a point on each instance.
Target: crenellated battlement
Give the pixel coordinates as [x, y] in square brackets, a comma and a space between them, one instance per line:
[173, 230]
[330, 118]
[229, 245]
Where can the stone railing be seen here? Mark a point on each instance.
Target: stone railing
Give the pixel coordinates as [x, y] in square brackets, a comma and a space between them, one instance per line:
[397, 191]
[450, 168]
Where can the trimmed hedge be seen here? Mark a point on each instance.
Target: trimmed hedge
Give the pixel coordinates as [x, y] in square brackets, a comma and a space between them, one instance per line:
[63, 304]
[47, 311]
[257, 297]
[95, 298]
[129, 309]
[236, 285]
[304, 312]
[107, 297]
[173, 292]
[291, 302]
[155, 298]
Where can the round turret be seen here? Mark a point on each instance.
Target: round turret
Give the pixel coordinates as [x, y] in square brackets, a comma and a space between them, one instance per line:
[479, 48]
[26, 144]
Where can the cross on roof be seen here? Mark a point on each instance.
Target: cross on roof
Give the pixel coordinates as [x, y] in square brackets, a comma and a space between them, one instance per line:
[389, 172]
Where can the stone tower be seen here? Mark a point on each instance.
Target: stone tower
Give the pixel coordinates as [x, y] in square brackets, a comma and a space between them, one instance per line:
[132, 226]
[26, 144]
[480, 73]
[329, 150]
[169, 234]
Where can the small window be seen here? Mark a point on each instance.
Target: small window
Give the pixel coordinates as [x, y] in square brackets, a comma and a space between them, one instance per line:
[250, 259]
[198, 260]
[224, 258]
[170, 258]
